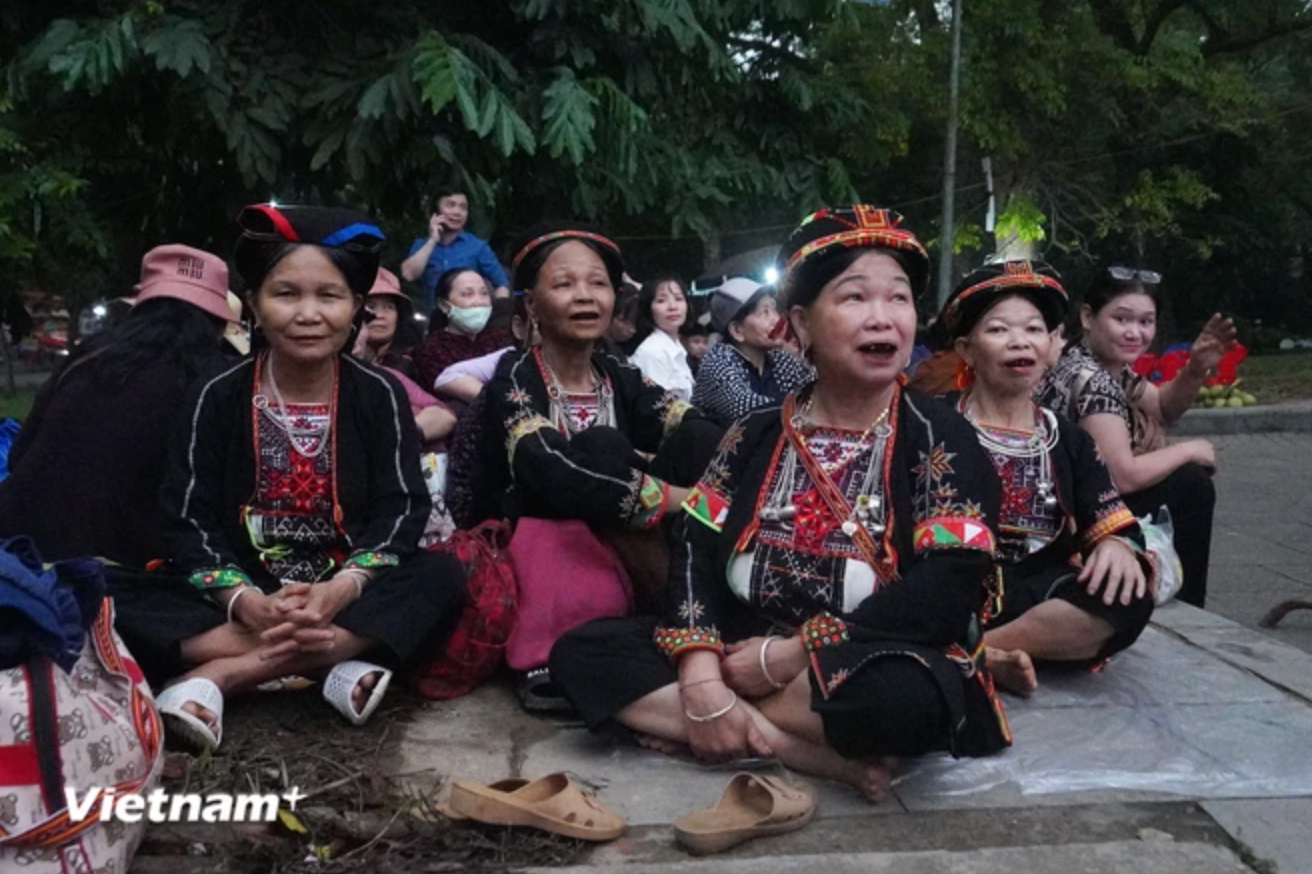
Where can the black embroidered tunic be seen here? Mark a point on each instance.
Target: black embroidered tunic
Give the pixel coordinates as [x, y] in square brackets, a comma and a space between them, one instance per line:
[734, 575]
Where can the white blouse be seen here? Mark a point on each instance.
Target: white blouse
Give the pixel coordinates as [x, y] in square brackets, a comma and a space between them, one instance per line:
[665, 362]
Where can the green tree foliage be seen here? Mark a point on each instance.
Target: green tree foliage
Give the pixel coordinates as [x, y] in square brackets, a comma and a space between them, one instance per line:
[1132, 130]
[656, 116]
[1170, 132]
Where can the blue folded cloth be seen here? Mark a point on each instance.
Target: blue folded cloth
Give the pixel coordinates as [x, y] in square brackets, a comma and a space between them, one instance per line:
[45, 609]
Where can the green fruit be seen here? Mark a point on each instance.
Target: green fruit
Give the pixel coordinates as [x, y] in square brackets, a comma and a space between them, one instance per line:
[1202, 392]
[1217, 391]
[1248, 398]
[1235, 402]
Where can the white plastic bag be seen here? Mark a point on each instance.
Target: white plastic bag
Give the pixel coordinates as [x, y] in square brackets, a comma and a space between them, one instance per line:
[1158, 536]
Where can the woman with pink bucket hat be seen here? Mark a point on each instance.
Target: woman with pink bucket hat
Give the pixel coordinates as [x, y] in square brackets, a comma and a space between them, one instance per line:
[89, 460]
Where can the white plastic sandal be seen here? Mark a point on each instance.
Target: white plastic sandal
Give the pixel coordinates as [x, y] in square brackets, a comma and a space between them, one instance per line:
[190, 727]
[341, 681]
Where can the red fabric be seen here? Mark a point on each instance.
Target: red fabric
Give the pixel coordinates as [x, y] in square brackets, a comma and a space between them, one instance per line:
[567, 577]
[19, 766]
[475, 649]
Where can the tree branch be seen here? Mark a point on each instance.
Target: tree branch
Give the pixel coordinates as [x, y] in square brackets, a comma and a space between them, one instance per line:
[1155, 22]
[1113, 22]
[1237, 44]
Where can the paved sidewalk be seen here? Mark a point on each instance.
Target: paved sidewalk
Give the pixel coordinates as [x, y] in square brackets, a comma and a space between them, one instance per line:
[1106, 775]
[1262, 542]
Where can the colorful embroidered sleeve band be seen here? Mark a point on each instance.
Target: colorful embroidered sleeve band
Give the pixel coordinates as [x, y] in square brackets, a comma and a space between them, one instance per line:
[707, 506]
[674, 642]
[822, 630]
[653, 499]
[1119, 518]
[210, 579]
[371, 560]
[953, 532]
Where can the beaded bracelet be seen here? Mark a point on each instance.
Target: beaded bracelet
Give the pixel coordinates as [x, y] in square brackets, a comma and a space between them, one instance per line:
[765, 672]
[711, 717]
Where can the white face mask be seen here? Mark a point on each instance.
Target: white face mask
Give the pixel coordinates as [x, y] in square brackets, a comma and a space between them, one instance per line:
[469, 320]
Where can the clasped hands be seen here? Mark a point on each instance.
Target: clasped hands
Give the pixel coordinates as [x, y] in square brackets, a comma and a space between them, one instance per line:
[731, 732]
[298, 618]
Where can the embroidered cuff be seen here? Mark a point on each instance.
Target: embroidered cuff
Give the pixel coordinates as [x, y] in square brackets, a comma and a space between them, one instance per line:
[209, 579]
[653, 497]
[822, 630]
[674, 642]
[953, 532]
[371, 560]
[521, 428]
[672, 416]
[707, 506]
[1116, 519]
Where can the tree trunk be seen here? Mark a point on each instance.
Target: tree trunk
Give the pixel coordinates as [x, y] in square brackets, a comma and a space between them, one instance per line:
[710, 251]
[7, 350]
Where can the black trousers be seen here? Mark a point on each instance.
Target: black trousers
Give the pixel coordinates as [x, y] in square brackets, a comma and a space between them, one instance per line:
[400, 611]
[1191, 497]
[895, 705]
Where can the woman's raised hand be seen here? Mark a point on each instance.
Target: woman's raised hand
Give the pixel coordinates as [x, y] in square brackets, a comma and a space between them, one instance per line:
[1114, 568]
[1217, 337]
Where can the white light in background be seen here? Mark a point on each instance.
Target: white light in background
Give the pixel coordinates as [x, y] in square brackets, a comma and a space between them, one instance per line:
[99, 311]
[771, 275]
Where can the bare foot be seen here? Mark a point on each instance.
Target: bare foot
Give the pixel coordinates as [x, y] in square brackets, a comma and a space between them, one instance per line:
[661, 745]
[1013, 670]
[203, 714]
[360, 694]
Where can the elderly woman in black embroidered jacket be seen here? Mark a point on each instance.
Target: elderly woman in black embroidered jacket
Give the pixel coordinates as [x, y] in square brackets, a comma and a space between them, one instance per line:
[564, 425]
[835, 557]
[565, 420]
[296, 498]
[1073, 584]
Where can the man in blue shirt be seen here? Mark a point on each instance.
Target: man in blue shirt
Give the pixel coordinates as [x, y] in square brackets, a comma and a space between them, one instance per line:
[449, 246]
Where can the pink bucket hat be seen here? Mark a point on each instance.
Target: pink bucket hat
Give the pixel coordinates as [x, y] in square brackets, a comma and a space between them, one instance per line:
[386, 283]
[186, 274]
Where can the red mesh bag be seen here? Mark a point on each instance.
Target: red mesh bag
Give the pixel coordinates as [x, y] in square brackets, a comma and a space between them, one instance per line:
[477, 647]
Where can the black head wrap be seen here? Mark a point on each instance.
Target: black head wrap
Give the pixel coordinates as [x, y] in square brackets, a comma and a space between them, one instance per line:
[983, 287]
[269, 233]
[543, 238]
[827, 233]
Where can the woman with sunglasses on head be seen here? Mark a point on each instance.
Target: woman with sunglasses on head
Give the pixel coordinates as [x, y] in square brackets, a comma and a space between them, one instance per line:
[1073, 583]
[1094, 385]
[835, 556]
[294, 497]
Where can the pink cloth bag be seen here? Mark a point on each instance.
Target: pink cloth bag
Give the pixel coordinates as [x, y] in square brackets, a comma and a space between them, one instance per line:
[567, 576]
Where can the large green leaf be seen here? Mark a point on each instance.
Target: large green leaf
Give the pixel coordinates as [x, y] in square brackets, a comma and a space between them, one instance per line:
[180, 45]
[568, 113]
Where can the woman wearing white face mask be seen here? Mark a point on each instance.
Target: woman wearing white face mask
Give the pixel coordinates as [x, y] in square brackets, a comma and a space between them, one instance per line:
[459, 329]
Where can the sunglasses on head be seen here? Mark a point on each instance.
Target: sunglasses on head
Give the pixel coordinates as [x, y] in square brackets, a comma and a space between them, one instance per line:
[1129, 274]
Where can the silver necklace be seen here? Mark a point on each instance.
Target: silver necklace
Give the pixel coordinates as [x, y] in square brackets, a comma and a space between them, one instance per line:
[1037, 445]
[558, 399]
[869, 510]
[317, 434]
